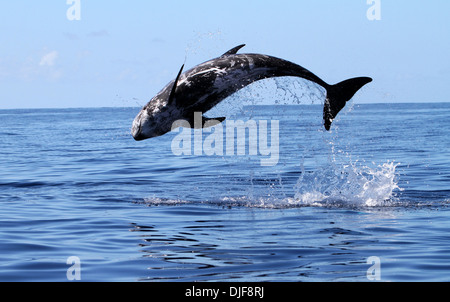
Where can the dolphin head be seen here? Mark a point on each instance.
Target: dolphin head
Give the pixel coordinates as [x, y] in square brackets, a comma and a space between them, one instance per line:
[152, 121]
[145, 125]
[138, 130]
[156, 118]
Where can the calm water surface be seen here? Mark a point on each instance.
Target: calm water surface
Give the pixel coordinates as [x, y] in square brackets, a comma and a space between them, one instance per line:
[73, 182]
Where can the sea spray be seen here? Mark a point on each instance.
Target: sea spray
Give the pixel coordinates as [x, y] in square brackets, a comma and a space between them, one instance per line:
[348, 184]
[320, 169]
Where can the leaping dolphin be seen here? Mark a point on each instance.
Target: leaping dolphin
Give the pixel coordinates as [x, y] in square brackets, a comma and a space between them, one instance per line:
[204, 86]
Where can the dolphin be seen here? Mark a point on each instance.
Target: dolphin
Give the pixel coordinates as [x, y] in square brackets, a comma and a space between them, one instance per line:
[204, 86]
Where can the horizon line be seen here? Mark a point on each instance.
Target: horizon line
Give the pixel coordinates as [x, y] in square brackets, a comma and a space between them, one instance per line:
[100, 107]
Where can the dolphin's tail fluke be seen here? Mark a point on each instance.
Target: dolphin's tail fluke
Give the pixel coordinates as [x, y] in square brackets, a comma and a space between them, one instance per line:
[338, 95]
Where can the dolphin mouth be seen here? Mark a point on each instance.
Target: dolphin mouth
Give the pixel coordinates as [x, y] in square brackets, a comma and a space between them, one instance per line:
[139, 137]
[137, 132]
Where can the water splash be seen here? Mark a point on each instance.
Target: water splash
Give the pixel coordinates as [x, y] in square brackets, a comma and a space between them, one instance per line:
[350, 184]
[333, 180]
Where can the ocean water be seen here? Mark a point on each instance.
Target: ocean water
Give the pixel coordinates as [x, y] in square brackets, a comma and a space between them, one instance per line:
[73, 182]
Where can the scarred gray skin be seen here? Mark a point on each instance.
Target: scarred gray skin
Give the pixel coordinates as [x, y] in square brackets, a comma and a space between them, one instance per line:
[201, 88]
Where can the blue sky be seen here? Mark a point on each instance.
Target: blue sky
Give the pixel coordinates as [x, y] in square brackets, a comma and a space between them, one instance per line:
[121, 53]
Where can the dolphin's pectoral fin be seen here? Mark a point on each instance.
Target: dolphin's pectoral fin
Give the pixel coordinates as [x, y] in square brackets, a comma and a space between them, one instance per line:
[233, 51]
[211, 122]
[172, 93]
[194, 122]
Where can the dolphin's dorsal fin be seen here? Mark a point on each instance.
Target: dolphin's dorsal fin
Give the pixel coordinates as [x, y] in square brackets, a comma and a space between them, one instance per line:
[233, 51]
[172, 93]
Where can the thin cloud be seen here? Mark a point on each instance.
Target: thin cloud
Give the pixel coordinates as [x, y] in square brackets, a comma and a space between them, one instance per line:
[158, 40]
[49, 59]
[98, 34]
[71, 36]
